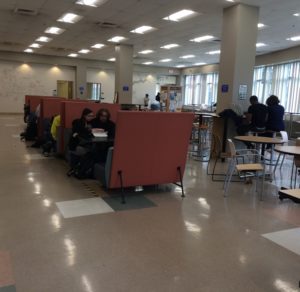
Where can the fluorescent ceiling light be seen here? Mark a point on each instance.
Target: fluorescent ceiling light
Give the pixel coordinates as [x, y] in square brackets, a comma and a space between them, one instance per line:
[199, 64]
[260, 25]
[73, 55]
[296, 14]
[165, 60]
[148, 63]
[43, 39]
[259, 45]
[218, 52]
[230, 1]
[84, 51]
[36, 46]
[187, 57]
[294, 39]
[170, 46]
[112, 59]
[202, 38]
[98, 46]
[116, 39]
[180, 66]
[54, 30]
[143, 29]
[146, 52]
[92, 3]
[69, 18]
[181, 15]
[28, 51]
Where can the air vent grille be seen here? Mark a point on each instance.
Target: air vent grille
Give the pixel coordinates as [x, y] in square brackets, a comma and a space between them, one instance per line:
[24, 11]
[109, 25]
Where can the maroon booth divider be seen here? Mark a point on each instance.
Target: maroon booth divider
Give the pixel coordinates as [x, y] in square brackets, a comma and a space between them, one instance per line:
[150, 148]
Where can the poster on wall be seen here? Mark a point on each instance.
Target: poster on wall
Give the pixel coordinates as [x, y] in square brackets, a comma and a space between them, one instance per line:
[243, 92]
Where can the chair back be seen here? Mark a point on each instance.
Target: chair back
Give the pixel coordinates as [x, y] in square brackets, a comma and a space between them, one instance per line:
[232, 150]
[284, 136]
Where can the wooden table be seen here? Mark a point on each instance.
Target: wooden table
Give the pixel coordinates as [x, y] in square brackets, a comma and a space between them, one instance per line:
[289, 150]
[259, 140]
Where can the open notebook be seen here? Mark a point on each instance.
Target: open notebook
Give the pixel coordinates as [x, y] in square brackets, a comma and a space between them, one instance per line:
[100, 134]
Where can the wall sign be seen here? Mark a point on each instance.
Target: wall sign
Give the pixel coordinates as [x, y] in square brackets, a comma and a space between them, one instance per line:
[225, 88]
[125, 88]
[243, 92]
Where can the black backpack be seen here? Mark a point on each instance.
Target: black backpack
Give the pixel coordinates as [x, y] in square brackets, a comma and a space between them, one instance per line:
[85, 167]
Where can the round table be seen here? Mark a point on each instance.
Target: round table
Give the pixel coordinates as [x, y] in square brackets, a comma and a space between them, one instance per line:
[259, 140]
[289, 150]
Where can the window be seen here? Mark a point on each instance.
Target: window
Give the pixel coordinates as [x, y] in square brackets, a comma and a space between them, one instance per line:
[94, 91]
[201, 89]
[282, 80]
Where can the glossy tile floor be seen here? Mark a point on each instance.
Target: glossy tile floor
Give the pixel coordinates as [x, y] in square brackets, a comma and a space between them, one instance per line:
[201, 243]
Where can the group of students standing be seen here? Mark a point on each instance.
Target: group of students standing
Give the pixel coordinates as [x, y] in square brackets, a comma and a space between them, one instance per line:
[267, 118]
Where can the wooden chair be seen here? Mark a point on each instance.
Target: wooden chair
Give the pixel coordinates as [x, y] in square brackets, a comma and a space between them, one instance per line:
[249, 168]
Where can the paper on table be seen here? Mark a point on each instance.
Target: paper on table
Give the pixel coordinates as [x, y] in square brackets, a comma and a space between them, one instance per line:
[100, 134]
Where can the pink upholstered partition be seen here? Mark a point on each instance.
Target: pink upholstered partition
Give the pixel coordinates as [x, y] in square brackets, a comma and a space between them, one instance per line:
[149, 147]
[50, 107]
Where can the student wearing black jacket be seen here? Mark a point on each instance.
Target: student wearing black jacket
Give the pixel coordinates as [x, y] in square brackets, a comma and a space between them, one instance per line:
[103, 123]
[81, 130]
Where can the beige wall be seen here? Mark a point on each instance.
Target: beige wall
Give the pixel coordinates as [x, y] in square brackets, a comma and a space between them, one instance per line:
[40, 75]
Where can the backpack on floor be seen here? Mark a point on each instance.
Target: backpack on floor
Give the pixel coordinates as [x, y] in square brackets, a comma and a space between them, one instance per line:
[85, 168]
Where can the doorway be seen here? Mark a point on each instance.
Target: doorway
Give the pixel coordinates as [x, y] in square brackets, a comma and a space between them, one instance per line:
[65, 89]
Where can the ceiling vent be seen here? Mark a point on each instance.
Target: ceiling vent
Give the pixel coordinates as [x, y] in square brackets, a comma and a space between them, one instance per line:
[5, 43]
[217, 40]
[108, 25]
[24, 11]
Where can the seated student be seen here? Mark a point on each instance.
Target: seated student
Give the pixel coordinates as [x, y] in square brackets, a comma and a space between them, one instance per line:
[256, 117]
[275, 121]
[80, 137]
[54, 126]
[51, 136]
[103, 123]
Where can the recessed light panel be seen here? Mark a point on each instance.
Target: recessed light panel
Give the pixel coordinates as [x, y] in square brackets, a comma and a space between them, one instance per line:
[199, 64]
[260, 45]
[296, 14]
[180, 66]
[54, 30]
[36, 46]
[218, 52]
[165, 60]
[187, 57]
[73, 55]
[143, 29]
[116, 39]
[148, 63]
[28, 51]
[98, 46]
[294, 39]
[43, 39]
[202, 38]
[170, 46]
[181, 15]
[92, 3]
[146, 52]
[112, 60]
[84, 51]
[69, 18]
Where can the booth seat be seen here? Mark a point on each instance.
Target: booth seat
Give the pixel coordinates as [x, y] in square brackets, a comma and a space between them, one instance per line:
[150, 148]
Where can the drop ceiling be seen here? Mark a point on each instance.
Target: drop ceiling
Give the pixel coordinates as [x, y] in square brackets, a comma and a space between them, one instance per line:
[18, 31]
